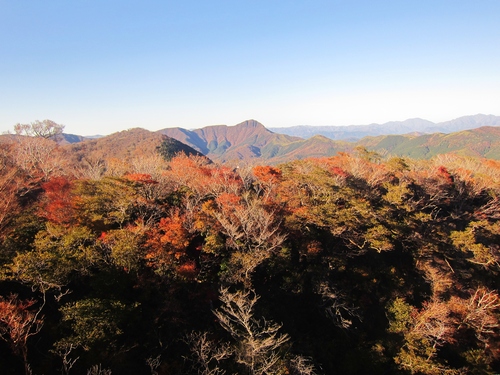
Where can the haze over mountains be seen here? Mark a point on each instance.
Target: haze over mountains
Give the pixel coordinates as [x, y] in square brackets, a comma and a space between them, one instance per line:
[355, 132]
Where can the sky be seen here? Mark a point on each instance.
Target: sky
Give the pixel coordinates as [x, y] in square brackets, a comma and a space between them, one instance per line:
[102, 66]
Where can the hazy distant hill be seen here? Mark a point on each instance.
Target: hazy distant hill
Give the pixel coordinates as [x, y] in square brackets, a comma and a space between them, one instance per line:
[356, 132]
[72, 138]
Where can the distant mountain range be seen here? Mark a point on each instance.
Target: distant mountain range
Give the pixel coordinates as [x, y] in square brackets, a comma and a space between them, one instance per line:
[250, 141]
[356, 132]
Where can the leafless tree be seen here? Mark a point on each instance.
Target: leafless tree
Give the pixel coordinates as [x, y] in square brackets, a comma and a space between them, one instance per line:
[254, 234]
[63, 351]
[18, 322]
[153, 364]
[433, 322]
[258, 342]
[207, 354]
[301, 366]
[482, 313]
[39, 157]
[98, 370]
[45, 129]
[92, 168]
[336, 307]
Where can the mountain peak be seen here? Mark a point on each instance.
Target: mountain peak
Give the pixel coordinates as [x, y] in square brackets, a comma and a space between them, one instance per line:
[251, 124]
[248, 139]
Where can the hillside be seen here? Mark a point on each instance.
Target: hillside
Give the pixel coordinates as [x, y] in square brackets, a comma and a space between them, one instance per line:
[128, 144]
[250, 140]
[356, 132]
[120, 153]
[481, 142]
[247, 140]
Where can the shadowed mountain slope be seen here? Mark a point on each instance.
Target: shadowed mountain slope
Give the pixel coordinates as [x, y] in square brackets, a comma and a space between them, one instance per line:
[128, 144]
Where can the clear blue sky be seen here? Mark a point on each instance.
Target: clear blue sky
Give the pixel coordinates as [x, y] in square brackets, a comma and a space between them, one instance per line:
[100, 66]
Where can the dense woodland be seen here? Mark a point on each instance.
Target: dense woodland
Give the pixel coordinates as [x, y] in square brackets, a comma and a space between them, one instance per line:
[153, 264]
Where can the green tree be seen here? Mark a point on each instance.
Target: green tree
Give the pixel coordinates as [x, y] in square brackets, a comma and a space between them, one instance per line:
[58, 253]
[95, 322]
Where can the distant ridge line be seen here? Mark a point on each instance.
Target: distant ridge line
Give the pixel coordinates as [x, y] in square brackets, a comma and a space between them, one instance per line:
[356, 132]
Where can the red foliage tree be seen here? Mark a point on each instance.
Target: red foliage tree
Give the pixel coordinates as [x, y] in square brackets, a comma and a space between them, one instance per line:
[18, 322]
[267, 174]
[59, 201]
[167, 243]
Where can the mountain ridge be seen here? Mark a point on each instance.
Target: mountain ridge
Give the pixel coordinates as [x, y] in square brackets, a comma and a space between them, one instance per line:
[479, 142]
[356, 132]
[246, 140]
[250, 140]
[128, 144]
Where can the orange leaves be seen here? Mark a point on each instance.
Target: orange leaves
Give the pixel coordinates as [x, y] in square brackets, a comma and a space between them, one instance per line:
[493, 164]
[59, 202]
[201, 178]
[142, 178]
[188, 270]
[268, 183]
[227, 201]
[443, 173]
[167, 246]
[267, 174]
[173, 232]
[314, 247]
[189, 171]
[338, 171]
[148, 188]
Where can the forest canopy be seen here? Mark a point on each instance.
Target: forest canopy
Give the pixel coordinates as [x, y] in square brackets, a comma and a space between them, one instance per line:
[352, 264]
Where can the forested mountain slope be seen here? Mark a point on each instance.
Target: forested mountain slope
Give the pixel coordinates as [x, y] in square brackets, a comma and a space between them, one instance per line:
[245, 141]
[128, 144]
[335, 265]
[251, 141]
[480, 142]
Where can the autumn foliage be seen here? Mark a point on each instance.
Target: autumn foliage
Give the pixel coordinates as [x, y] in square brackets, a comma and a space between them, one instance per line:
[352, 264]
